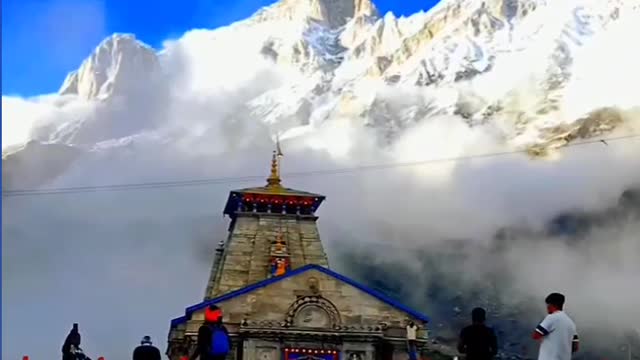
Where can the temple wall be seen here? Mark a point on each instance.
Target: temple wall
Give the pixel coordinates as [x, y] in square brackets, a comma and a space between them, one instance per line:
[268, 307]
[246, 257]
[271, 303]
[261, 350]
[357, 351]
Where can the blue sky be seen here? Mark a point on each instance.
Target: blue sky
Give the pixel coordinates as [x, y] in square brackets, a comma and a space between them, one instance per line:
[42, 40]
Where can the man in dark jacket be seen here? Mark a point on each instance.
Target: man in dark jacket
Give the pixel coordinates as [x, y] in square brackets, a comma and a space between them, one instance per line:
[210, 331]
[71, 343]
[478, 341]
[146, 350]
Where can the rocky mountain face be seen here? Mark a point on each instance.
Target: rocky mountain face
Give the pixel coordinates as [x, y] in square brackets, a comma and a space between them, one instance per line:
[119, 66]
[329, 13]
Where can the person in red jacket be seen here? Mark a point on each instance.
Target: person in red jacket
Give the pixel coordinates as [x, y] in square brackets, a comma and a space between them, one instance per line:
[214, 342]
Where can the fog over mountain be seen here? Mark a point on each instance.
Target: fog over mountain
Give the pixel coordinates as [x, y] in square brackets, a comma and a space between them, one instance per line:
[344, 87]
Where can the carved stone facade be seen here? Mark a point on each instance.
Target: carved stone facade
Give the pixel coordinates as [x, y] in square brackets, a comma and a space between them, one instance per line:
[310, 309]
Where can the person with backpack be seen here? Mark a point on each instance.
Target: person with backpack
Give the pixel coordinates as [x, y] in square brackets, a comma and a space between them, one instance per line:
[71, 343]
[214, 342]
[146, 350]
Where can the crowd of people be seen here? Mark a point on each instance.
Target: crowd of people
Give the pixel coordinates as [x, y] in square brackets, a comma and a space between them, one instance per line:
[556, 333]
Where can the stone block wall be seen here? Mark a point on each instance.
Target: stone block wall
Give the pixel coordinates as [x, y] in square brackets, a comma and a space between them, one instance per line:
[269, 306]
[261, 350]
[271, 303]
[246, 256]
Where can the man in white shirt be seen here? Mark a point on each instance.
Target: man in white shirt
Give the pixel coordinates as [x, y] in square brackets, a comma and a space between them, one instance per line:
[557, 332]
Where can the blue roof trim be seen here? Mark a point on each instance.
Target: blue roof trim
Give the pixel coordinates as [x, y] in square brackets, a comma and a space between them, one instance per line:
[376, 294]
[177, 321]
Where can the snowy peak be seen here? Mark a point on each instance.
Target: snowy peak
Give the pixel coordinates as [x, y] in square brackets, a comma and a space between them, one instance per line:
[118, 66]
[505, 64]
[364, 8]
[333, 13]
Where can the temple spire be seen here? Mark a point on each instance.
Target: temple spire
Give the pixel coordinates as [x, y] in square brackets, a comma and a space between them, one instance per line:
[274, 178]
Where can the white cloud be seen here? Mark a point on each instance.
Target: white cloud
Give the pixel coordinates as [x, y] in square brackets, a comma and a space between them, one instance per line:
[29, 118]
[18, 118]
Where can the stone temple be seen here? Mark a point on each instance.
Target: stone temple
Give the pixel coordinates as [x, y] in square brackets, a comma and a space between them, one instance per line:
[280, 300]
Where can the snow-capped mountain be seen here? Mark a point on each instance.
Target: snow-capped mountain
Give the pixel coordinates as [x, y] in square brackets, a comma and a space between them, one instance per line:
[522, 70]
[118, 66]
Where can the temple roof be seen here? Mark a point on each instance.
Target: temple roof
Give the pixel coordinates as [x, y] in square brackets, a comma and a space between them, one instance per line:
[273, 190]
[279, 190]
[236, 196]
[374, 293]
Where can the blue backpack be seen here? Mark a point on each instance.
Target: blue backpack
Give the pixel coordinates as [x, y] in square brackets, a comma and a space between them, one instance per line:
[219, 342]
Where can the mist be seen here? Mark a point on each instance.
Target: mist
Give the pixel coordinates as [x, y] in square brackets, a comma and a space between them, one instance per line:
[123, 263]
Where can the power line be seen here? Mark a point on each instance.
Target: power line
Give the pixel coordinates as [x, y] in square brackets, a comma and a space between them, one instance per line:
[241, 179]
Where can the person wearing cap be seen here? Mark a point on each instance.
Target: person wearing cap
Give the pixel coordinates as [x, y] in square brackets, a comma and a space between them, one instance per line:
[214, 342]
[146, 350]
[478, 341]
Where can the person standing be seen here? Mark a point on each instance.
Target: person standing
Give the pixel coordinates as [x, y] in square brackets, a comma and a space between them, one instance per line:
[214, 342]
[478, 341]
[412, 330]
[146, 350]
[557, 332]
[71, 344]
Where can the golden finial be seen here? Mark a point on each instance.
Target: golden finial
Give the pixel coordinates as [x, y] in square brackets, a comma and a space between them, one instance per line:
[274, 178]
